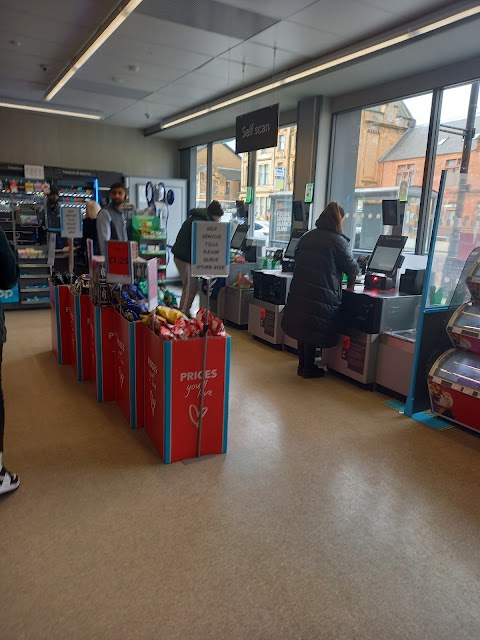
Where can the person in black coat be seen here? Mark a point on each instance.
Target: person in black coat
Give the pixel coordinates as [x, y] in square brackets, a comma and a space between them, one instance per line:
[9, 274]
[321, 258]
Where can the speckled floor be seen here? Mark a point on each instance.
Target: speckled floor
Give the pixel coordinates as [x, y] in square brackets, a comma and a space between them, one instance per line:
[331, 517]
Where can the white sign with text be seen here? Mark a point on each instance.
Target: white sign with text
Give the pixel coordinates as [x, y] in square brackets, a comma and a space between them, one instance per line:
[71, 222]
[210, 249]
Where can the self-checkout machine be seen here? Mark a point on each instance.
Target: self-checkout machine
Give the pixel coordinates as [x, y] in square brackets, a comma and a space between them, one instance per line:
[375, 307]
[271, 287]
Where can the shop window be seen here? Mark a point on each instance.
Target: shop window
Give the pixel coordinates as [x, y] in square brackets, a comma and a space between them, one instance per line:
[201, 190]
[230, 175]
[273, 212]
[374, 150]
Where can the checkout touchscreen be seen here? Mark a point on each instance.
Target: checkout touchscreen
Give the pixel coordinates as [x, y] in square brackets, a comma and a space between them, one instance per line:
[384, 259]
[291, 248]
[238, 238]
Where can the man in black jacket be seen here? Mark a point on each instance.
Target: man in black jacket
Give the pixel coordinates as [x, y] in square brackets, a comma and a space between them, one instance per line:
[9, 273]
[182, 251]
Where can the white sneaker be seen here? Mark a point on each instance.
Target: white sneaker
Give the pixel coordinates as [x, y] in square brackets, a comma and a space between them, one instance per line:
[8, 481]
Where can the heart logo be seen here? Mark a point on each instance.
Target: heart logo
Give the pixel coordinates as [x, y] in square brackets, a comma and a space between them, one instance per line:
[153, 402]
[122, 377]
[194, 414]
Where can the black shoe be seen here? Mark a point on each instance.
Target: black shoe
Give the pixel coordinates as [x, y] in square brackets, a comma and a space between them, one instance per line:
[316, 372]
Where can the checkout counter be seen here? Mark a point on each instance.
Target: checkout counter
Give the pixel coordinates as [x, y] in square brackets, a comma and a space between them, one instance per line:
[270, 293]
[377, 323]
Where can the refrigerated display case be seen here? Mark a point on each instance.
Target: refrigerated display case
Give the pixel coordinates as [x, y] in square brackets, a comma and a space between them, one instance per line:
[454, 387]
[464, 327]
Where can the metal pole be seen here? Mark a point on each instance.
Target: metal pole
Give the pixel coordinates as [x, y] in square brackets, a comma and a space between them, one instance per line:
[204, 368]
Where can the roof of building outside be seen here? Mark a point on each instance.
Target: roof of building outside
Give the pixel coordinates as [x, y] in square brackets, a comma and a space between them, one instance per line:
[414, 143]
[230, 174]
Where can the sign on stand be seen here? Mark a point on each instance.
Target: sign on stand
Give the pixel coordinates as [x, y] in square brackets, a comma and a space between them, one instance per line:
[119, 262]
[152, 270]
[71, 222]
[210, 249]
[90, 255]
[52, 239]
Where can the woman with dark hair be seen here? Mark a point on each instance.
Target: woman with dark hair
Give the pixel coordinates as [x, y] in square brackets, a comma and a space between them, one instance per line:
[322, 257]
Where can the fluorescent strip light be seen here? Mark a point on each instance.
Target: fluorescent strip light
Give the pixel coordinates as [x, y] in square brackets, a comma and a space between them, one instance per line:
[57, 112]
[404, 37]
[104, 34]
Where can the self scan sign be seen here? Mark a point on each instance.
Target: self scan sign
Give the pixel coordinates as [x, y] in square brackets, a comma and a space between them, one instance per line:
[210, 249]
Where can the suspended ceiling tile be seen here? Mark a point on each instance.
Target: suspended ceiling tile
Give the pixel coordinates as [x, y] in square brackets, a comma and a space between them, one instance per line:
[86, 13]
[300, 39]
[150, 30]
[210, 15]
[139, 52]
[405, 8]
[78, 100]
[41, 49]
[263, 56]
[279, 9]
[106, 89]
[41, 27]
[135, 115]
[19, 90]
[345, 18]
[112, 70]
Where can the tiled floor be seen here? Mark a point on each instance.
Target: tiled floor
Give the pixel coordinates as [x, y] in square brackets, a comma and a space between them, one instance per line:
[331, 517]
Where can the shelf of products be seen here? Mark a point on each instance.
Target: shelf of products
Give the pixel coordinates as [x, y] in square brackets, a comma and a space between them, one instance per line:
[21, 217]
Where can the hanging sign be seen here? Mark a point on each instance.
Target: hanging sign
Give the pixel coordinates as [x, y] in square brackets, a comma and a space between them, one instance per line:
[257, 130]
[71, 222]
[119, 262]
[210, 249]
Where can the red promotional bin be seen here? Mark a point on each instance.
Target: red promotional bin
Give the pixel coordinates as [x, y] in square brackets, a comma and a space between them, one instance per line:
[102, 342]
[61, 323]
[78, 309]
[129, 372]
[173, 382]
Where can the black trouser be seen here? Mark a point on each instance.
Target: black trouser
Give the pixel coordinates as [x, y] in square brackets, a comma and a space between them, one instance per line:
[306, 356]
[2, 406]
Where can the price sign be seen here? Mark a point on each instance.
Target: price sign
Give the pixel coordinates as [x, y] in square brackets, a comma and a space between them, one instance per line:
[210, 249]
[119, 262]
[71, 224]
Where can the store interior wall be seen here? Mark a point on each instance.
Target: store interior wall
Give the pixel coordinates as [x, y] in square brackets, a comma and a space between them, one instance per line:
[28, 138]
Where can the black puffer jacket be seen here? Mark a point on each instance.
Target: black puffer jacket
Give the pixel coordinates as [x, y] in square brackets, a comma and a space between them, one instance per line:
[321, 259]
[9, 274]
[182, 249]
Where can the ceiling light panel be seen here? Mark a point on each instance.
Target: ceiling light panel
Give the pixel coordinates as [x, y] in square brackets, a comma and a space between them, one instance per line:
[95, 43]
[49, 111]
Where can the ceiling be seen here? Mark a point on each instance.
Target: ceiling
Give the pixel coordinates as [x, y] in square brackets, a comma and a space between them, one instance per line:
[166, 58]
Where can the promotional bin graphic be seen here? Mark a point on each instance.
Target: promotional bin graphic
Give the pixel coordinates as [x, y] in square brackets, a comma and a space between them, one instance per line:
[61, 323]
[129, 356]
[173, 387]
[103, 352]
[82, 362]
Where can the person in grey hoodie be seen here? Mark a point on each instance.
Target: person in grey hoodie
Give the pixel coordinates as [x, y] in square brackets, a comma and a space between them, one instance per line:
[111, 221]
